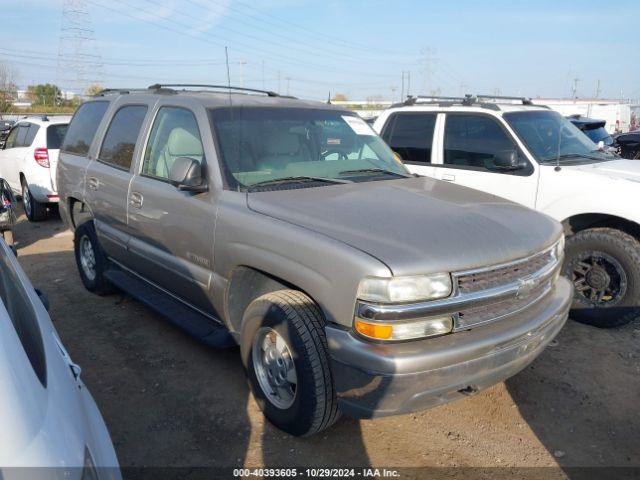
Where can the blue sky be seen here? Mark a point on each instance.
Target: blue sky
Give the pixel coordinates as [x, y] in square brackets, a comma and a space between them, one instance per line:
[358, 47]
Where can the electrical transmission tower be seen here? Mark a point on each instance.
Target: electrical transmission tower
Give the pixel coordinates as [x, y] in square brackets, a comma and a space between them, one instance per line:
[79, 63]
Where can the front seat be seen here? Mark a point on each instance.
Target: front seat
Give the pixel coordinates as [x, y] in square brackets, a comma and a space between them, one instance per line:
[181, 143]
[281, 149]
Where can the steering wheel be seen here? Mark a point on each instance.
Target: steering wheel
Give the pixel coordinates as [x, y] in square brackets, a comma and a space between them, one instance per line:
[340, 153]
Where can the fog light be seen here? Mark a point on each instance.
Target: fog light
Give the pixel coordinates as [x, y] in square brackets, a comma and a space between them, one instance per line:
[405, 331]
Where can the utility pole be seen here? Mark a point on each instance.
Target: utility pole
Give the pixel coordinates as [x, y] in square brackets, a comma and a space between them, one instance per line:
[288, 79]
[402, 89]
[409, 83]
[597, 95]
[429, 61]
[574, 90]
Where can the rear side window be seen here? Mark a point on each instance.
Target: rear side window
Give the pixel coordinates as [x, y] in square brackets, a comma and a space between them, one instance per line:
[31, 134]
[410, 135]
[21, 139]
[120, 140]
[83, 127]
[55, 135]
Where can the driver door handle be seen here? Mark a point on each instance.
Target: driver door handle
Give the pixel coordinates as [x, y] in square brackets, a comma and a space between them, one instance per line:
[447, 177]
[136, 199]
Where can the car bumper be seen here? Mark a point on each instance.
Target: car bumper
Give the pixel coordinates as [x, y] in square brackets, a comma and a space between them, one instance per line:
[374, 380]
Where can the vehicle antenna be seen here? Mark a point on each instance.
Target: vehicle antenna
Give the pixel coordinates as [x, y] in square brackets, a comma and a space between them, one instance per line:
[226, 56]
[557, 169]
[329, 98]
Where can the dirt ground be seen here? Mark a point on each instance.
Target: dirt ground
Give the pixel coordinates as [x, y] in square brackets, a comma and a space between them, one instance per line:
[170, 401]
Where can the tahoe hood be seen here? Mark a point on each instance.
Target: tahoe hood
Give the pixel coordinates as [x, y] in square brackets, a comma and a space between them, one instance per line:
[414, 225]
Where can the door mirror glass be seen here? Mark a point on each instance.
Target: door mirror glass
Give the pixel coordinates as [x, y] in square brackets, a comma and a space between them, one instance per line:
[186, 174]
[507, 160]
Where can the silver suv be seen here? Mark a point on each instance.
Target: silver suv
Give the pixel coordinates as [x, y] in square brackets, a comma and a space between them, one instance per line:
[289, 228]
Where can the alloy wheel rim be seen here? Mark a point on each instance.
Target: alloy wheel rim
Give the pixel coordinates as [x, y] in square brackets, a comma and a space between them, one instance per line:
[599, 279]
[274, 367]
[87, 258]
[26, 200]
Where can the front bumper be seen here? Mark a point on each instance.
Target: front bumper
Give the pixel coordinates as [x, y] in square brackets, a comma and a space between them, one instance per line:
[374, 380]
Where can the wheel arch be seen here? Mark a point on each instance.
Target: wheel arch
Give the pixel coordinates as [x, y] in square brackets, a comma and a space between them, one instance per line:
[584, 221]
[247, 283]
[79, 212]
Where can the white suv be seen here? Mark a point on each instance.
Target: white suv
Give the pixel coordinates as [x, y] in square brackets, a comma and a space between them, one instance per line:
[29, 158]
[529, 154]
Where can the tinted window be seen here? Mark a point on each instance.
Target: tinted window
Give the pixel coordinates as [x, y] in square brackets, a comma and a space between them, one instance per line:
[21, 139]
[473, 141]
[411, 135]
[55, 135]
[31, 134]
[599, 135]
[23, 317]
[174, 134]
[120, 140]
[83, 127]
[11, 139]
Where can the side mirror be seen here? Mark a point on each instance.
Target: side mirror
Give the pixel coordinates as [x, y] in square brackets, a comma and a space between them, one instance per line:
[186, 174]
[507, 160]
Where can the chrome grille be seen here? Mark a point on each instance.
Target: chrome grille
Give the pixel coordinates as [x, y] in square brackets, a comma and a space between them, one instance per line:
[486, 279]
[537, 272]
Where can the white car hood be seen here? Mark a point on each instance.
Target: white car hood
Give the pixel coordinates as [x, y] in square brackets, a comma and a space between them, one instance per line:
[616, 169]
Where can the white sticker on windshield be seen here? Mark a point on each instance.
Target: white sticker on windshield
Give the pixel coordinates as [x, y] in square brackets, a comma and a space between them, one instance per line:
[358, 125]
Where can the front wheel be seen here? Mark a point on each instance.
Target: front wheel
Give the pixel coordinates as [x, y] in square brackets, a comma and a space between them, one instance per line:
[35, 210]
[604, 265]
[285, 354]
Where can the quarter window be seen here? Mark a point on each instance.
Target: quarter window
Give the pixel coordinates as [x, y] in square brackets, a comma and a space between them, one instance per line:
[83, 128]
[474, 141]
[411, 135]
[120, 139]
[13, 136]
[174, 134]
[31, 134]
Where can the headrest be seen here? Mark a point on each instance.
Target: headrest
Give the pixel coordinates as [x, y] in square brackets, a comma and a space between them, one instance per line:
[282, 143]
[183, 143]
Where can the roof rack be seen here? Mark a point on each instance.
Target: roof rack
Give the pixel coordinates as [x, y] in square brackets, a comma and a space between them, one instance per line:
[467, 100]
[158, 86]
[169, 88]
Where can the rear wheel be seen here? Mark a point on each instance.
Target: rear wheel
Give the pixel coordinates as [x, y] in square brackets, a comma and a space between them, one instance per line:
[604, 265]
[285, 354]
[34, 210]
[91, 260]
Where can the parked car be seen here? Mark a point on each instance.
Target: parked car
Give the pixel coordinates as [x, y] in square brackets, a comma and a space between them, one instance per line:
[5, 127]
[29, 159]
[288, 227]
[533, 156]
[629, 145]
[7, 212]
[595, 130]
[50, 426]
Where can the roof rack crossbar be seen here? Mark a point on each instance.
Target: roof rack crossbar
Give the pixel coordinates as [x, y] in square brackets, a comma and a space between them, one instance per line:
[158, 86]
[524, 100]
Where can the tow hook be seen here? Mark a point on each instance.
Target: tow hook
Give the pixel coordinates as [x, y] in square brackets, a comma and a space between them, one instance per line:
[469, 390]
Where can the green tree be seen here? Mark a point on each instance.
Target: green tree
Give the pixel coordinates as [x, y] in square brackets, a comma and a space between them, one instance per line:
[7, 87]
[47, 94]
[94, 89]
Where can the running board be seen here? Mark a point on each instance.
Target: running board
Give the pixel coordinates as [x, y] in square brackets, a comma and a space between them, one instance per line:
[194, 323]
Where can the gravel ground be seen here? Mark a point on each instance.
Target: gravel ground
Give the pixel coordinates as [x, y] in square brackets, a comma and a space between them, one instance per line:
[170, 401]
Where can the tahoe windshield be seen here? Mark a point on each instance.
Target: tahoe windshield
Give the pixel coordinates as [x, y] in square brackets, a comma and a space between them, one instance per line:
[271, 146]
[550, 137]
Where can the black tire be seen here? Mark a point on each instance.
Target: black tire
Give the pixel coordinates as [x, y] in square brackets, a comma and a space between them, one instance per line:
[617, 246]
[35, 211]
[299, 321]
[97, 283]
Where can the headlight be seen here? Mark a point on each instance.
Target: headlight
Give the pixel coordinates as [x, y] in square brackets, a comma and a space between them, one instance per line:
[405, 289]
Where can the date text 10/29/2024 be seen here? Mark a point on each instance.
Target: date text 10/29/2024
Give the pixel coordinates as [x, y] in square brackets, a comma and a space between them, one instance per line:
[315, 473]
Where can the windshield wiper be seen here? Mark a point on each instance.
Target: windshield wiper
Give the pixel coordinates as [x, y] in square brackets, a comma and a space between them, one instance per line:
[302, 178]
[373, 170]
